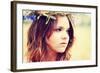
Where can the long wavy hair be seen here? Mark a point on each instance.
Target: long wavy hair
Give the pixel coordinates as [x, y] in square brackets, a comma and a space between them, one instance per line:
[38, 31]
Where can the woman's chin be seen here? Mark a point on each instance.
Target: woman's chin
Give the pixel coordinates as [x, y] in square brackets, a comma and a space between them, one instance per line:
[61, 51]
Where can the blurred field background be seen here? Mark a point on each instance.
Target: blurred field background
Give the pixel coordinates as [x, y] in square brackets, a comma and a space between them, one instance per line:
[81, 49]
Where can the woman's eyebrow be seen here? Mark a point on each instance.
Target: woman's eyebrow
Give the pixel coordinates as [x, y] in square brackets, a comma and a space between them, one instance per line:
[60, 27]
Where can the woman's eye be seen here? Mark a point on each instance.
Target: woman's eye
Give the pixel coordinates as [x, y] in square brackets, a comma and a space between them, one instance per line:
[68, 30]
[59, 29]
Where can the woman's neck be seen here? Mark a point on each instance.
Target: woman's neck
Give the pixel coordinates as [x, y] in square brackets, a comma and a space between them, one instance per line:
[51, 55]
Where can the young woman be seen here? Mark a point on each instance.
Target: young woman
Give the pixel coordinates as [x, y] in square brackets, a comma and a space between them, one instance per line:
[50, 37]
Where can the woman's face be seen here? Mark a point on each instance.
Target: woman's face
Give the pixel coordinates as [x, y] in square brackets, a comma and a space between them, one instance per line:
[59, 38]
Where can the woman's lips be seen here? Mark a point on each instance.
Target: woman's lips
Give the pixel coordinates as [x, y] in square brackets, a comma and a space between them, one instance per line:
[64, 44]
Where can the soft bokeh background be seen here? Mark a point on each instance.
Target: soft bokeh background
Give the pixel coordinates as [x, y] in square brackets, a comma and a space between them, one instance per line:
[81, 49]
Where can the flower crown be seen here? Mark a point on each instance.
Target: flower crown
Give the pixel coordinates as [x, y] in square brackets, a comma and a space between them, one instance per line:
[49, 14]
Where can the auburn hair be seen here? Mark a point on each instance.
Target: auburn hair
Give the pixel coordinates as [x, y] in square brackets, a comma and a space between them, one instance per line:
[37, 33]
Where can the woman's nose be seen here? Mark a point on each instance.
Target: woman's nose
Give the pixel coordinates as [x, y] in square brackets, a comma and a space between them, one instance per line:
[64, 35]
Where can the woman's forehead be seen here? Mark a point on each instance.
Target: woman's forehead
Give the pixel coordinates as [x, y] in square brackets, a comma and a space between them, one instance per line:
[62, 21]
